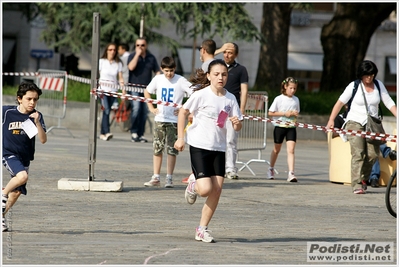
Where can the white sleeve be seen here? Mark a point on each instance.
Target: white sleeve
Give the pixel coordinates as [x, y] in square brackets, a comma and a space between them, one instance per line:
[385, 97]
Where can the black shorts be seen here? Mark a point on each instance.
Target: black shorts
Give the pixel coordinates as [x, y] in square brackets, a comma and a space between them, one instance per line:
[281, 132]
[206, 163]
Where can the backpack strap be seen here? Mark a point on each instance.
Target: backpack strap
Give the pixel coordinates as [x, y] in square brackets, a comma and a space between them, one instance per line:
[377, 84]
[355, 86]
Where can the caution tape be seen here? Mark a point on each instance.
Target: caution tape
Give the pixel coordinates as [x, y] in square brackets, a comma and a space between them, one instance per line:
[364, 134]
[140, 88]
[128, 86]
[100, 92]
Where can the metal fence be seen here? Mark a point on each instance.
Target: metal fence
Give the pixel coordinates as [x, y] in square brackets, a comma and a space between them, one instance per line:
[53, 101]
[252, 136]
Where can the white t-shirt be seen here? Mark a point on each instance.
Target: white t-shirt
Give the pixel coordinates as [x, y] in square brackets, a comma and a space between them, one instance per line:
[283, 103]
[109, 74]
[206, 106]
[125, 69]
[205, 65]
[357, 110]
[171, 91]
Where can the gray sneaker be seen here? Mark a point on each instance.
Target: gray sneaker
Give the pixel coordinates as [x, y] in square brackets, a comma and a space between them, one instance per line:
[270, 174]
[168, 182]
[153, 182]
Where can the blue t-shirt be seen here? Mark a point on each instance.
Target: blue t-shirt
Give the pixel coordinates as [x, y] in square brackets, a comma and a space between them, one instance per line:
[142, 74]
[15, 140]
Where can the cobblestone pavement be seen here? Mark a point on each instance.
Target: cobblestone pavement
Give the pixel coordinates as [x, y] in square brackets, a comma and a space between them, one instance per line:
[258, 221]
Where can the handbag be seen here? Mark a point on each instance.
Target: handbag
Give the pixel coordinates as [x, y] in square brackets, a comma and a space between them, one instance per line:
[123, 112]
[373, 125]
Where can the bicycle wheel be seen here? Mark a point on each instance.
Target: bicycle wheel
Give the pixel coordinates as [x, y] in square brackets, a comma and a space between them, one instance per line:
[390, 195]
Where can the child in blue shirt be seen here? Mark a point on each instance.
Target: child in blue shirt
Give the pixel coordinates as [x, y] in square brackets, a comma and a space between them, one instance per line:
[19, 142]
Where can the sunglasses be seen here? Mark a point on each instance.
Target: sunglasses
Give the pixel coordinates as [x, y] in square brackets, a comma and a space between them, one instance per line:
[199, 49]
[142, 45]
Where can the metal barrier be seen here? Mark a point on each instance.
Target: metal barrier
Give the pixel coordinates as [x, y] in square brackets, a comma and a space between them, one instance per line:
[253, 133]
[54, 84]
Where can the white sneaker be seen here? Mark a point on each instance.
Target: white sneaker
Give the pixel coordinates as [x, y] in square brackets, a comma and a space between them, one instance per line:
[203, 235]
[168, 182]
[103, 137]
[190, 194]
[231, 175]
[270, 174]
[291, 177]
[109, 136]
[153, 182]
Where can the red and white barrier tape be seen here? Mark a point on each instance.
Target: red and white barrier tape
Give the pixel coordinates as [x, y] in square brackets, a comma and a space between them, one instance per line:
[364, 134]
[128, 86]
[378, 136]
[139, 87]
[99, 92]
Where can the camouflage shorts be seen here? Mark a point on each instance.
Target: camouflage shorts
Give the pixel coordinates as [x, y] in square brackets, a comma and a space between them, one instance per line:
[165, 134]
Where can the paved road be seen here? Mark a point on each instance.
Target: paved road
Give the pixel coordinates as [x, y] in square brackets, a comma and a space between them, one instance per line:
[258, 221]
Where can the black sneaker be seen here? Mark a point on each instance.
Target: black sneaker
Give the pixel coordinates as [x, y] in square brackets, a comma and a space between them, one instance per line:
[392, 155]
[374, 183]
[142, 139]
[135, 138]
[4, 199]
[4, 225]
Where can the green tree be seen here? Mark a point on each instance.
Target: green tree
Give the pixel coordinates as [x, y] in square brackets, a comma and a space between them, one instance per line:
[275, 27]
[345, 40]
[231, 21]
[70, 24]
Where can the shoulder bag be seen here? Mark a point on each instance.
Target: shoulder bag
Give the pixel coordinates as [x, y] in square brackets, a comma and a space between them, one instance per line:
[373, 125]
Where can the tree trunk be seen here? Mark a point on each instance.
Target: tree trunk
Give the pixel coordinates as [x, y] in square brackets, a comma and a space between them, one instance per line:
[275, 28]
[345, 40]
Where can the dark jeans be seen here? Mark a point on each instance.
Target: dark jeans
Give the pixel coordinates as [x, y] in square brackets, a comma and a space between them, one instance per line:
[375, 171]
[106, 102]
[138, 115]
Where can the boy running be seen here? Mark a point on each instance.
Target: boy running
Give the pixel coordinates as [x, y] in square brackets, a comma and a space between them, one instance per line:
[21, 124]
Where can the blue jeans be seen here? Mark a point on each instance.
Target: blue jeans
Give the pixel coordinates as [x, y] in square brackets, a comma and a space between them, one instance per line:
[106, 102]
[375, 171]
[138, 116]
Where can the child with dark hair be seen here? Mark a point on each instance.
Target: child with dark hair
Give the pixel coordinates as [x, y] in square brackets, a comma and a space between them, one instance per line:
[211, 105]
[285, 108]
[21, 124]
[168, 87]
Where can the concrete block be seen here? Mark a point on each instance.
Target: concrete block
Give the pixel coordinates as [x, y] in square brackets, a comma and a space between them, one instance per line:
[86, 185]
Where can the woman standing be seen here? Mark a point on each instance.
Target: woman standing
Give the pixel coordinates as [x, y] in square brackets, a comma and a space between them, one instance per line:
[211, 106]
[363, 153]
[110, 67]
